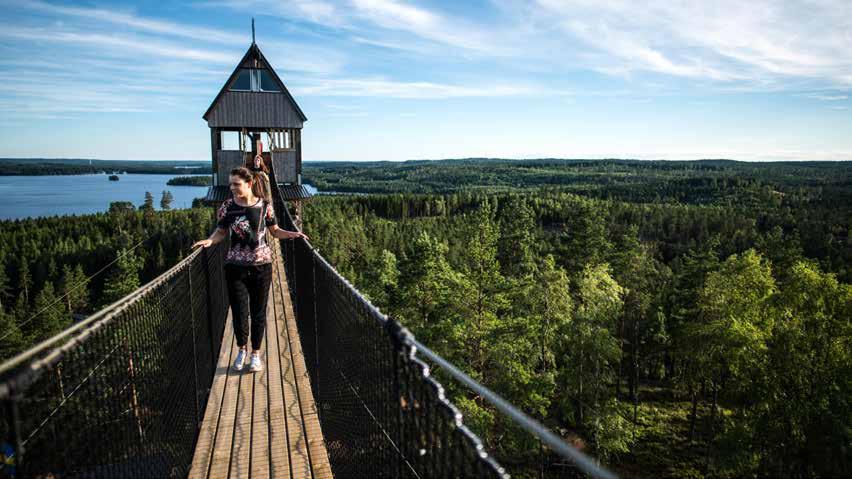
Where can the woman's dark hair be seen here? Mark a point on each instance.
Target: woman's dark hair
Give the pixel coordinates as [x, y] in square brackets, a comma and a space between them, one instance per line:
[255, 178]
[250, 164]
[244, 173]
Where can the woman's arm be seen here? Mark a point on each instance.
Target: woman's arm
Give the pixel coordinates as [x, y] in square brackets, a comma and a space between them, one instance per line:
[284, 234]
[214, 238]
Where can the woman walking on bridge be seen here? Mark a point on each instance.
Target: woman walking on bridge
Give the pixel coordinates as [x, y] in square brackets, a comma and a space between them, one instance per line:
[248, 263]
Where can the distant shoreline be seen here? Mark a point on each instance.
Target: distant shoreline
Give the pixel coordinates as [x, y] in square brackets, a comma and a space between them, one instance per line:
[111, 172]
[87, 160]
[63, 167]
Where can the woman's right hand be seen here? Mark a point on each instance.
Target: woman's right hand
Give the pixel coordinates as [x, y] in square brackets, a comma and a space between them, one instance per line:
[205, 243]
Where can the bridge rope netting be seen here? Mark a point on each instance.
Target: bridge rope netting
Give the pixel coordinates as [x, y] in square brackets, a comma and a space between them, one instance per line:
[381, 412]
[121, 393]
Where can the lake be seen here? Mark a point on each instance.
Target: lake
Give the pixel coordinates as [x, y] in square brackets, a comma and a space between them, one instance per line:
[31, 196]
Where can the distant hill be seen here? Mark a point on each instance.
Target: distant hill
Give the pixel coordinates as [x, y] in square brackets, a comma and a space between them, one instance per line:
[711, 181]
[81, 166]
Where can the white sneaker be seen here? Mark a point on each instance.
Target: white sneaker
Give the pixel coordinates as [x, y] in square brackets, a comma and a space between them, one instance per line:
[241, 358]
[256, 365]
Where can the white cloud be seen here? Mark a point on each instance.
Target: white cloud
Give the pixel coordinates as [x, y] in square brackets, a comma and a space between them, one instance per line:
[759, 41]
[138, 63]
[136, 22]
[287, 56]
[302, 58]
[826, 97]
[412, 90]
[729, 44]
[93, 60]
[314, 11]
[119, 44]
[396, 14]
[386, 23]
[428, 25]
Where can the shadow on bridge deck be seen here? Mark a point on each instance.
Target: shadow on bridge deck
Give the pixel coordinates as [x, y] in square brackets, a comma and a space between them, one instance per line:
[263, 424]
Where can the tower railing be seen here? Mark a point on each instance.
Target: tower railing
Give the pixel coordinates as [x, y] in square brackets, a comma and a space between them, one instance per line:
[121, 393]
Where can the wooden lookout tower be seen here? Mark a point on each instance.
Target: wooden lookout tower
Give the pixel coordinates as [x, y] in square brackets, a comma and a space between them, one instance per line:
[252, 106]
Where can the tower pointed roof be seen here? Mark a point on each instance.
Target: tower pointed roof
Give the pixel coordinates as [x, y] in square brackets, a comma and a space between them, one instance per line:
[254, 58]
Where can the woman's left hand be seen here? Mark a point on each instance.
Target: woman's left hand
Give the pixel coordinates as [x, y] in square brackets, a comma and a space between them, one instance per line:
[299, 234]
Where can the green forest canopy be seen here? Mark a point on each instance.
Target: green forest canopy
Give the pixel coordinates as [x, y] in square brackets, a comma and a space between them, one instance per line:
[682, 319]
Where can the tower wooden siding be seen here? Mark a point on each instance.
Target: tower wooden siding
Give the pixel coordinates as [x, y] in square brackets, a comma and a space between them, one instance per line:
[254, 110]
[226, 161]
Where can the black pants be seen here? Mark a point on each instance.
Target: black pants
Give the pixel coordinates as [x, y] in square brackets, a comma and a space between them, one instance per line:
[248, 291]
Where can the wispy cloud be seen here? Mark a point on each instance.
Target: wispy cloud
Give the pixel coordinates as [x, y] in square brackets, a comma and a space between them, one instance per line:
[146, 36]
[386, 23]
[321, 12]
[82, 60]
[826, 97]
[761, 41]
[414, 90]
[758, 45]
[118, 44]
[136, 22]
[292, 57]
[427, 24]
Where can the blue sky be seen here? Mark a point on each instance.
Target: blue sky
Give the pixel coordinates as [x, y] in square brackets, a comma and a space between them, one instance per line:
[400, 79]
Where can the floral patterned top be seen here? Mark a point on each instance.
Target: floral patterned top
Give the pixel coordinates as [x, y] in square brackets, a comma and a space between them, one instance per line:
[246, 231]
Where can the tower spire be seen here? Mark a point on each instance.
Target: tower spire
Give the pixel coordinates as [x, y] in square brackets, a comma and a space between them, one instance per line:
[252, 30]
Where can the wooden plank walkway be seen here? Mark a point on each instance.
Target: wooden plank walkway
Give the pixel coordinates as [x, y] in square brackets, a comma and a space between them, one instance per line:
[264, 424]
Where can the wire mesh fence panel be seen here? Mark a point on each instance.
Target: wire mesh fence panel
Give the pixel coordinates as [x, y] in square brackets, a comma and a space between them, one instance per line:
[122, 393]
[381, 413]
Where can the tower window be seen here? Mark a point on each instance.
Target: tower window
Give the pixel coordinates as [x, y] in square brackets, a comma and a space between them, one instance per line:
[267, 83]
[243, 81]
[253, 79]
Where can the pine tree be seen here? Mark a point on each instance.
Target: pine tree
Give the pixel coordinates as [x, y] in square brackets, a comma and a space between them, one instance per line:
[121, 207]
[49, 315]
[124, 278]
[25, 281]
[74, 287]
[159, 259]
[4, 287]
[484, 299]
[166, 200]
[148, 205]
[735, 322]
[640, 326]
[52, 269]
[805, 386]
[783, 250]
[516, 248]
[553, 308]
[21, 310]
[13, 340]
[382, 277]
[589, 359]
[529, 341]
[583, 240]
[428, 287]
